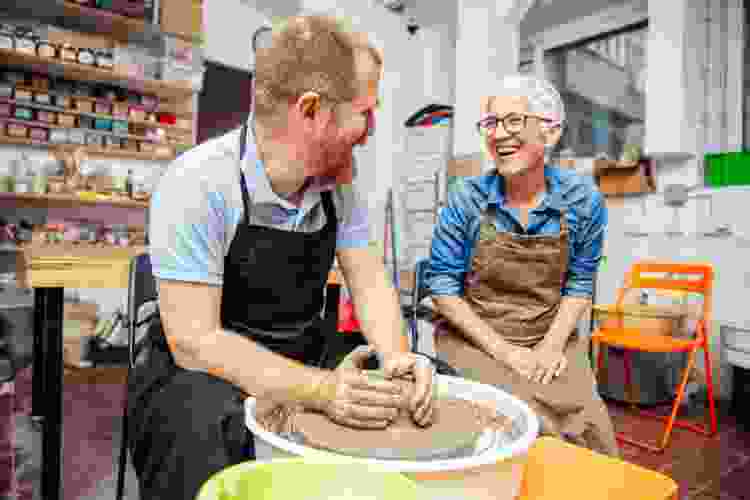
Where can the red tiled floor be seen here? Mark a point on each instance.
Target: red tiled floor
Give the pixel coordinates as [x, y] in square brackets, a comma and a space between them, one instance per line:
[705, 468]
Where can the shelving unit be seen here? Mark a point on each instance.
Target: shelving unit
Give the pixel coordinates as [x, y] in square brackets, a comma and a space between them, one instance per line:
[56, 109]
[31, 200]
[90, 150]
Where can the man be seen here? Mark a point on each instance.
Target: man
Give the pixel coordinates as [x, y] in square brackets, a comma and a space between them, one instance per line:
[243, 233]
[512, 265]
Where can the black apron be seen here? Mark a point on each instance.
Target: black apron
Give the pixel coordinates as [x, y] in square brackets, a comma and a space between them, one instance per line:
[273, 294]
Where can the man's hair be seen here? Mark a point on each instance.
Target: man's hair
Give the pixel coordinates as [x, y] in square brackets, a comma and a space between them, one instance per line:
[308, 53]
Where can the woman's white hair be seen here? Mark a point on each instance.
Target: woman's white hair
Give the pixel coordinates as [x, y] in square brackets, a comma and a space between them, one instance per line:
[543, 98]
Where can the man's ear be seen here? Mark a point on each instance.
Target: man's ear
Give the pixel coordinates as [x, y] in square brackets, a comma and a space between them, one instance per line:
[552, 135]
[309, 104]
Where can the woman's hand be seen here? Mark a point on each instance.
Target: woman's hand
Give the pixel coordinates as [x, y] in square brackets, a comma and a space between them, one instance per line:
[551, 362]
[522, 360]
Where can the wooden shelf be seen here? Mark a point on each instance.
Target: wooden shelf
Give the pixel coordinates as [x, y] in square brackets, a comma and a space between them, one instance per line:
[90, 150]
[71, 16]
[67, 265]
[80, 72]
[116, 26]
[31, 200]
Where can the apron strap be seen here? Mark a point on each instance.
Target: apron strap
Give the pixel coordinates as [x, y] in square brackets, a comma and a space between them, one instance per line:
[329, 209]
[243, 184]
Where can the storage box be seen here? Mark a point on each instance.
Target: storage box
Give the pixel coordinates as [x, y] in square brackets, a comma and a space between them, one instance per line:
[67, 120]
[727, 169]
[131, 8]
[180, 17]
[618, 178]
[39, 134]
[83, 105]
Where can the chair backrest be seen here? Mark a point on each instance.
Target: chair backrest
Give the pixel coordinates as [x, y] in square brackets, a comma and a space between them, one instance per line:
[675, 281]
[420, 290]
[141, 289]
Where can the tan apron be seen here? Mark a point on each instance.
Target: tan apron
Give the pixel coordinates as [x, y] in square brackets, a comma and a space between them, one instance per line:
[515, 285]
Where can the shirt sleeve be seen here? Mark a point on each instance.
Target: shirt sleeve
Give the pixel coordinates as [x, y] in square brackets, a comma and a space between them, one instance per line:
[186, 228]
[587, 250]
[354, 222]
[449, 251]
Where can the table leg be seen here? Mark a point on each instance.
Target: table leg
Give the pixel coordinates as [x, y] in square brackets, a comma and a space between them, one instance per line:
[47, 396]
[40, 353]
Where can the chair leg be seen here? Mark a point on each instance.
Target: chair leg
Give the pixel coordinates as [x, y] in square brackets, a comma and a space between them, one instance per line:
[672, 419]
[678, 399]
[600, 359]
[123, 453]
[710, 388]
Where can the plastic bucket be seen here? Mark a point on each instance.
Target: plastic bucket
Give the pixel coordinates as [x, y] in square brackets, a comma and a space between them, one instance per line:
[306, 479]
[483, 475]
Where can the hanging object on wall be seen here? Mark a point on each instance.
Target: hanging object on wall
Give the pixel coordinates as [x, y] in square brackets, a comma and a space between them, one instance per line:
[428, 112]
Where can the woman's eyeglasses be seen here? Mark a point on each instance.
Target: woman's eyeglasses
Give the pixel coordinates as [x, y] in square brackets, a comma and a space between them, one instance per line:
[513, 123]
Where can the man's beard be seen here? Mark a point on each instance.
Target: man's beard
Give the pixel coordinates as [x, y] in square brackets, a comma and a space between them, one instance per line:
[333, 163]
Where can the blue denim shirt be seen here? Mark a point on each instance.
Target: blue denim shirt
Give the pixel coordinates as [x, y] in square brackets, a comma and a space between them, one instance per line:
[457, 230]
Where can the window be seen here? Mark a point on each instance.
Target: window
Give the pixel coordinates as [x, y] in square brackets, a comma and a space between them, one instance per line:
[602, 82]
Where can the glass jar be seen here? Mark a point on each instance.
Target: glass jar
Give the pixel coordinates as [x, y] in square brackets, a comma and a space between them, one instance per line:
[25, 42]
[24, 231]
[7, 180]
[108, 235]
[7, 38]
[119, 179]
[86, 56]
[120, 235]
[39, 179]
[104, 59]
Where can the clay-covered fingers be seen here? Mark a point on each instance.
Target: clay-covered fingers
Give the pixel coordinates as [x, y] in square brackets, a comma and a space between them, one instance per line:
[424, 388]
[422, 371]
[364, 413]
[382, 399]
[361, 381]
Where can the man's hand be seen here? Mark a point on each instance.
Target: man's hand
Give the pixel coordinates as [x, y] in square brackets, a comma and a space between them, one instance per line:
[551, 362]
[349, 397]
[406, 363]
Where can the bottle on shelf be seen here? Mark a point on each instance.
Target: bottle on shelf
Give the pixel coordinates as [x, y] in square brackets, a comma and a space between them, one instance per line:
[129, 184]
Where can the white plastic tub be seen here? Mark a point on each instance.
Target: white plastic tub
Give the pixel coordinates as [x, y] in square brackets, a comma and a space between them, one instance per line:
[499, 467]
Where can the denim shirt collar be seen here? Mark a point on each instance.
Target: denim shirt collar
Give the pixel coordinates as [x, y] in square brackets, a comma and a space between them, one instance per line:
[495, 189]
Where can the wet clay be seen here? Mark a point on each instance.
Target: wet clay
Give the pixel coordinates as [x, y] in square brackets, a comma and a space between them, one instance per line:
[456, 426]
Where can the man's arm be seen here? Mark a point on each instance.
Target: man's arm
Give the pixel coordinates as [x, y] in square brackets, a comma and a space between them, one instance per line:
[198, 342]
[375, 300]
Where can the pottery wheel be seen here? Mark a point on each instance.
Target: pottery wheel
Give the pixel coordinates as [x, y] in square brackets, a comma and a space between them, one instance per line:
[456, 427]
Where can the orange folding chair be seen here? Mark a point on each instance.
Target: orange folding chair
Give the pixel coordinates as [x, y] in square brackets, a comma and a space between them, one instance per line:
[633, 339]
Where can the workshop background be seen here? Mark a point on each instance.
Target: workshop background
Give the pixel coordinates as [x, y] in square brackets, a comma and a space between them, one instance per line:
[664, 78]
